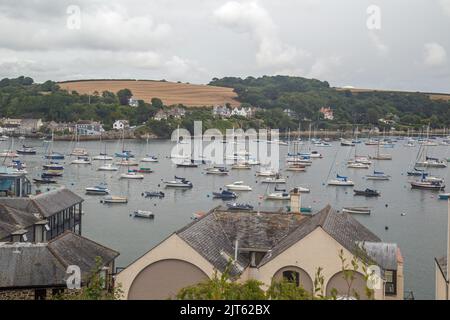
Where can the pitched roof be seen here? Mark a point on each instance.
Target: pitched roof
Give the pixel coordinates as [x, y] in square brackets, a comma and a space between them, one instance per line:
[267, 232]
[45, 264]
[49, 203]
[12, 220]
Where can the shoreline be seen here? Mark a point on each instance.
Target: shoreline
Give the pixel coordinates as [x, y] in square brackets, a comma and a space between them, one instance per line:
[336, 135]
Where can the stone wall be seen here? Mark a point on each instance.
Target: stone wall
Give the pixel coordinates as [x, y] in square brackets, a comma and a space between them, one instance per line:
[28, 294]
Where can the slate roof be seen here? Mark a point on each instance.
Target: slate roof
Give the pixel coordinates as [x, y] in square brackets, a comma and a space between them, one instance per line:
[46, 204]
[44, 264]
[12, 220]
[49, 203]
[269, 232]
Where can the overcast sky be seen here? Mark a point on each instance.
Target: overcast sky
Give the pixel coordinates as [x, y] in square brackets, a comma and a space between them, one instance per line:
[406, 47]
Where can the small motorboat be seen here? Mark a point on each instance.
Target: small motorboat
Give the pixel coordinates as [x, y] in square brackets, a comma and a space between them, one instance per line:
[124, 154]
[97, 190]
[266, 173]
[274, 180]
[239, 207]
[143, 214]
[416, 172]
[149, 159]
[367, 193]
[357, 210]
[296, 167]
[114, 199]
[187, 164]
[144, 170]
[81, 160]
[127, 162]
[357, 165]
[444, 196]
[378, 175]
[79, 152]
[341, 181]
[224, 195]
[253, 162]
[44, 181]
[315, 155]
[51, 173]
[26, 150]
[55, 156]
[428, 185]
[278, 195]
[53, 166]
[131, 175]
[241, 166]
[103, 157]
[301, 190]
[431, 163]
[153, 194]
[179, 182]
[238, 186]
[8, 154]
[347, 143]
[221, 171]
[17, 164]
[108, 167]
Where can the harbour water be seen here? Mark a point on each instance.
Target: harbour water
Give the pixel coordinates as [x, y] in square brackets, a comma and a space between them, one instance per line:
[414, 219]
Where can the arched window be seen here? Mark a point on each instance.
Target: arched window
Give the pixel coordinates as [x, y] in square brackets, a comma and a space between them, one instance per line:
[292, 276]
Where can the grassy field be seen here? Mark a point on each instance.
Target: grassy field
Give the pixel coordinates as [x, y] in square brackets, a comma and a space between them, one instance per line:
[192, 95]
[433, 96]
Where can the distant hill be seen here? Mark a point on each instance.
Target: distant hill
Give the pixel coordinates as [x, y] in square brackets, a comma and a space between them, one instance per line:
[433, 96]
[192, 95]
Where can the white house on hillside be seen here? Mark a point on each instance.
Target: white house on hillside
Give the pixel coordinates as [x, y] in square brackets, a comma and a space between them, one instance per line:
[121, 124]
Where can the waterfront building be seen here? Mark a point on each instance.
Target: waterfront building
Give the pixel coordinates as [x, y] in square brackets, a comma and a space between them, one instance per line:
[89, 128]
[37, 271]
[265, 246]
[40, 217]
[121, 125]
[327, 113]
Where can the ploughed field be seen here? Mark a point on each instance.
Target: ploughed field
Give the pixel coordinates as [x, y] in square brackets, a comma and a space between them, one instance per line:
[191, 95]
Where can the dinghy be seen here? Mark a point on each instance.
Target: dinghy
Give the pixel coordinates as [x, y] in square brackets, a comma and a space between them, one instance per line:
[239, 207]
[81, 160]
[378, 175]
[131, 175]
[143, 214]
[238, 186]
[97, 190]
[26, 150]
[266, 173]
[149, 159]
[114, 199]
[224, 195]
[179, 182]
[444, 196]
[44, 181]
[221, 171]
[153, 194]
[108, 167]
[367, 193]
[356, 210]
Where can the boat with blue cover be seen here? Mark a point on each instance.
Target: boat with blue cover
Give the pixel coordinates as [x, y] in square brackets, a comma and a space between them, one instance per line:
[224, 195]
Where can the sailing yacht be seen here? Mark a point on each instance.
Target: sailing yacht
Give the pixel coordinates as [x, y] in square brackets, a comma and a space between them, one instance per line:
[77, 151]
[341, 181]
[148, 158]
[380, 156]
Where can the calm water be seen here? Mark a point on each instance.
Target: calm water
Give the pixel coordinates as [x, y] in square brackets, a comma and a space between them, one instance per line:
[421, 234]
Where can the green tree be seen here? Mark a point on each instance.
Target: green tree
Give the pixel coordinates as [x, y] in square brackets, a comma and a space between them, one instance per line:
[124, 95]
[157, 103]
